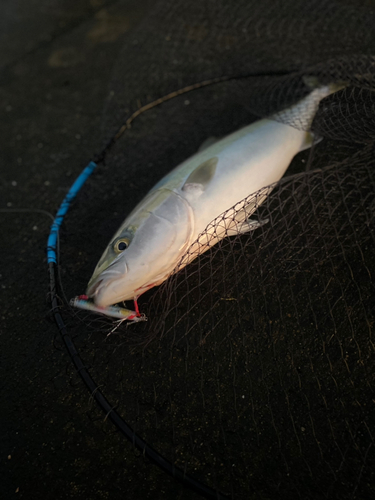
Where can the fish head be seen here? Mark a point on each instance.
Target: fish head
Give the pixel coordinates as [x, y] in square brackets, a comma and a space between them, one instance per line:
[144, 251]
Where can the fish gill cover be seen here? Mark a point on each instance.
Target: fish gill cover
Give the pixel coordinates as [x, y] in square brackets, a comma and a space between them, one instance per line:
[255, 371]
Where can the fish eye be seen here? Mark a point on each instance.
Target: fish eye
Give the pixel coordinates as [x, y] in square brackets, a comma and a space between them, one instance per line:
[121, 244]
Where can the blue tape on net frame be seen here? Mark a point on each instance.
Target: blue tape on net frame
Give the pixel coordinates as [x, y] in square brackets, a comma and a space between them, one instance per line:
[73, 191]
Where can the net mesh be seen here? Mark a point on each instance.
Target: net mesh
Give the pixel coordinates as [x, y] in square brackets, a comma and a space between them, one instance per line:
[254, 373]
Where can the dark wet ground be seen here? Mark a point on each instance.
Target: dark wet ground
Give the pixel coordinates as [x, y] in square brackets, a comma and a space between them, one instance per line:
[56, 61]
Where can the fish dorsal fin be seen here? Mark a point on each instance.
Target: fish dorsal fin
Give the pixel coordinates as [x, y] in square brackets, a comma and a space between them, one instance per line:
[202, 175]
[210, 141]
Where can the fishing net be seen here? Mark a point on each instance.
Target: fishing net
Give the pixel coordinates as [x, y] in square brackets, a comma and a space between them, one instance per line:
[254, 374]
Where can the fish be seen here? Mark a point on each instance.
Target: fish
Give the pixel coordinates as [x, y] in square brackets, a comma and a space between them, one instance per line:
[153, 239]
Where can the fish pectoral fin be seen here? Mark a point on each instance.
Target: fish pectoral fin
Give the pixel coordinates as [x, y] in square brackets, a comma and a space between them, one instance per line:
[193, 190]
[246, 226]
[201, 176]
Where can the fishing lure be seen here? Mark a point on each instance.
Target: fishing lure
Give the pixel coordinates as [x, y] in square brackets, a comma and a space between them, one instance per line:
[117, 312]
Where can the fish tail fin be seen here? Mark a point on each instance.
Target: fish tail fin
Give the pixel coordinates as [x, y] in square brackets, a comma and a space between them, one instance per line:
[309, 105]
[323, 90]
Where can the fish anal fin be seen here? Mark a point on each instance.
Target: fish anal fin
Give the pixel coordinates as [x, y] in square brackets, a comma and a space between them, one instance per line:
[246, 226]
[201, 176]
[309, 140]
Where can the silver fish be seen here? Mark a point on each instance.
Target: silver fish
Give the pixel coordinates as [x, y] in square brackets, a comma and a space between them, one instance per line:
[151, 241]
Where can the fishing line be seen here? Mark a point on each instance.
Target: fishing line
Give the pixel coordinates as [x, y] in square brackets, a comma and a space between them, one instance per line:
[27, 210]
[171, 95]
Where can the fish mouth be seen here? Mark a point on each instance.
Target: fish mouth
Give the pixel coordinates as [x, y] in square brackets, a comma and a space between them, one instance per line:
[100, 282]
[93, 289]
[97, 291]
